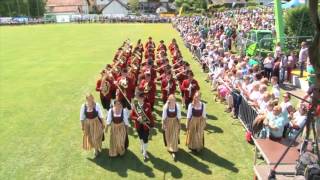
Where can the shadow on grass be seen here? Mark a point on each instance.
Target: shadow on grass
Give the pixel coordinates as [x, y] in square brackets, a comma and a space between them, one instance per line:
[213, 129]
[211, 117]
[165, 167]
[211, 157]
[186, 158]
[121, 165]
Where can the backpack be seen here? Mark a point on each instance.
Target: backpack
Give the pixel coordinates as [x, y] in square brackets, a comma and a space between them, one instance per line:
[307, 165]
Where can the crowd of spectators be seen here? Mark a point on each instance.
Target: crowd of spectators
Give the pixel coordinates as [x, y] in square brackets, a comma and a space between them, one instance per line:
[236, 78]
[86, 19]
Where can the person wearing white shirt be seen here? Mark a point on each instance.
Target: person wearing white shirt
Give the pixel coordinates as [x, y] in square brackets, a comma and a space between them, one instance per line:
[275, 87]
[196, 122]
[91, 118]
[298, 121]
[117, 120]
[171, 116]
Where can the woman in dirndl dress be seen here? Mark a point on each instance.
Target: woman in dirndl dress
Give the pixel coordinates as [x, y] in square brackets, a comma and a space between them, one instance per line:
[171, 116]
[117, 119]
[196, 122]
[91, 117]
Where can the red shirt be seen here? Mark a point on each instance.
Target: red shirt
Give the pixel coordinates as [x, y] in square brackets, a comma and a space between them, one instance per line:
[185, 88]
[129, 91]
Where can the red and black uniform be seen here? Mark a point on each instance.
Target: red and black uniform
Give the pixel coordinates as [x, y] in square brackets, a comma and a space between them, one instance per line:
[149, 55]
[106, 98]
[150, 45]
[142, 128]
[150, 69]
[167, 88]
[150, 96]
[173, 47]
[128, 92]
[189, 89]
[162, 47]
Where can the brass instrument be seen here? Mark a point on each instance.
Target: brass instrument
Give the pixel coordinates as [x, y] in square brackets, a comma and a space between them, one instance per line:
[105, 88]
[146, 88]
[124, 83]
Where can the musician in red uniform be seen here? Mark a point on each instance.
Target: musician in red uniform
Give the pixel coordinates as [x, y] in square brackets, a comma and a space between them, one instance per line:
[189, 87]
[148, 87]
[168, 86]
[127, 89]
[173, 46]
[149, 54]
[150, 44]
[162, 46]
[143, 122]
[148, 67]
[106, 88]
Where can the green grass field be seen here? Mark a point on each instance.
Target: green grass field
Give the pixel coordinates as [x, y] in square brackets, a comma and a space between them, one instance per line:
[45, 72]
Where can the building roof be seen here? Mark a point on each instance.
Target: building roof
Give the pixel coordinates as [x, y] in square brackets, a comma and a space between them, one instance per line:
[64, 3]
[111, 1]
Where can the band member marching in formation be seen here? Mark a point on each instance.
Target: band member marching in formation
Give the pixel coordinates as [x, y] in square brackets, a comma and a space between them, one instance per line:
[148, 87]
[143, 122]
[125, 90]
[91, 117]
[171, 116]
[106, 88]
[196, 122]
[117, 120]
[189, 87]
[168, 86]
[162, 47]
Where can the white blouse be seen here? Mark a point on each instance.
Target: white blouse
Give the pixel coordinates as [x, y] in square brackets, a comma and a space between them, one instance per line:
[125, 116]
[190, 107]
[83, 115]
[164, 111]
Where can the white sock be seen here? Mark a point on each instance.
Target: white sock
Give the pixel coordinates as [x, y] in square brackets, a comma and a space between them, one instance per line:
[141, 145]
[145, 146]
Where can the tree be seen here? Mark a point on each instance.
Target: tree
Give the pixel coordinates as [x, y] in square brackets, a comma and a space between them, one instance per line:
[314, 55]
[298, 22]
[134, 5]
[33, 8]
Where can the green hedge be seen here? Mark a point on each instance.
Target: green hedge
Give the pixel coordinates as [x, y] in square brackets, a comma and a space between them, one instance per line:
[298, 23]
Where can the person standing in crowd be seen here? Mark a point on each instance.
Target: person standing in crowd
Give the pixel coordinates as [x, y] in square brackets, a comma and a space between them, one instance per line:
[276, 68]
[171, 116]
[196, 123]
[275, 124]
[92, 125]
[283, 67]
[311, 74]
[143, 122]
[275, 87]
[189, 87]
[303, 56]
[267, 65]
[117, 119]
[291, 65]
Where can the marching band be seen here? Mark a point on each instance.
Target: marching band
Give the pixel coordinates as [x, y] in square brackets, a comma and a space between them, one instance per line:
[128, 91]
